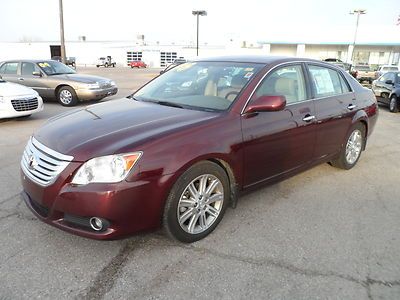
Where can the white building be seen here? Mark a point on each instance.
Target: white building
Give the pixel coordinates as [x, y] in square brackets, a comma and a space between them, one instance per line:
[155, 55]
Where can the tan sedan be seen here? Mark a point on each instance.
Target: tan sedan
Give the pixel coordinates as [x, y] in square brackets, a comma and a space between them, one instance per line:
[52, 79]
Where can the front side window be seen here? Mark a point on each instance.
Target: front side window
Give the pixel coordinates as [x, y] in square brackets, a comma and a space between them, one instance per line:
[286, 81]
[326, 82]
[9, 68]
[199, 85]
[28, 68]
[386, 77]
[52, 67]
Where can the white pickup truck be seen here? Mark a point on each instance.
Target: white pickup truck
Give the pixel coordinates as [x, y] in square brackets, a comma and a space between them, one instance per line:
[105, 62]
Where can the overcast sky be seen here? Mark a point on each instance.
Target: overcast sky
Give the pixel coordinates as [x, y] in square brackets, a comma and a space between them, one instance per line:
[172, 21]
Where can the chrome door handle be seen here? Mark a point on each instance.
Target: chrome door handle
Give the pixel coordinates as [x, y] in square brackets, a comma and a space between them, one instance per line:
[308, 118]
[20, 78]
[351, 106]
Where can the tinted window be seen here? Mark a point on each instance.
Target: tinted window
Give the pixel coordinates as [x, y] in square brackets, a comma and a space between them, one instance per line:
[52, 67]
[286, 81]
[28, 68]
[10, 68]
[326, 82]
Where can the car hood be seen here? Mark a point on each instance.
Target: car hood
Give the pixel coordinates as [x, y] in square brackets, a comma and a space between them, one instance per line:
[81, 78]
[13, 89]
[117, 126]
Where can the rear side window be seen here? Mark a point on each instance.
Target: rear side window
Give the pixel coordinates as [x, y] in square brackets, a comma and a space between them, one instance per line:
[287, 81]
[327, 82]
[9, 68]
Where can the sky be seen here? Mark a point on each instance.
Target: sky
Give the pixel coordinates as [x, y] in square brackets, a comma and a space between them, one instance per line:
[308, 21]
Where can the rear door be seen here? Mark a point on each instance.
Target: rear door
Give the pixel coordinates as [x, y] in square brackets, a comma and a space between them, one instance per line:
[9, 71]
[280, 141]
[335, 106]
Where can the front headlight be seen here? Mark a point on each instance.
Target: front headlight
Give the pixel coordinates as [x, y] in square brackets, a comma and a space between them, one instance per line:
[106, 169]
[91, 85]
[112, 83]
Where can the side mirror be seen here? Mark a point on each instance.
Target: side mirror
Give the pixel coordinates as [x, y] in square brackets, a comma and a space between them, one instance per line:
[389, 81]
[266, 103]
[38, 74]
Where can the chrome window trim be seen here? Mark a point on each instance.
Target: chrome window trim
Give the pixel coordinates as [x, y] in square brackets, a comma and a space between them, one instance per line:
[297, 62]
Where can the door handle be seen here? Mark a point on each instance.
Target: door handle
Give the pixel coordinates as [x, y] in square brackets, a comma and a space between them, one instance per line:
[351, 106]
[308, 118]
[20, 78]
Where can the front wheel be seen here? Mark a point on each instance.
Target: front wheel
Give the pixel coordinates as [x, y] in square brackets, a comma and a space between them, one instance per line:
[393, 104]
[66, 96]
[197, 202]
[351, 152]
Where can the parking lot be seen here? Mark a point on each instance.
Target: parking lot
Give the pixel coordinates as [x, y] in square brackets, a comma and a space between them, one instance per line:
[323, 234]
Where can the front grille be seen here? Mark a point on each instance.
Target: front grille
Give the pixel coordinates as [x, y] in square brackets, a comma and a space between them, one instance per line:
[41, 164]
[25, 104]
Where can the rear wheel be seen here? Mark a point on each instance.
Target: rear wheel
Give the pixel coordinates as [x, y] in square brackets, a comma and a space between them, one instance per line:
[351, 151]
[197, 202]
[66, 96]
[394, 104]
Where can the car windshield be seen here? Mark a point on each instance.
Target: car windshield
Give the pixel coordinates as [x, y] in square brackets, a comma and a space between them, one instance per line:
[199, 85]
[55, 68]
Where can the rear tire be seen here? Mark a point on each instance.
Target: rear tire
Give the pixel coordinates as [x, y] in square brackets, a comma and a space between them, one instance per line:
[394, 104]
[351, 151]
[196, 202]
[66, 96]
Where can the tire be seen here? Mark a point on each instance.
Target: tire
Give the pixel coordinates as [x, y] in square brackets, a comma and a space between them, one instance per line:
[66, 96]
[393, 104]
[198, 218]
[351, 151]
[97, 66]
[106, 65]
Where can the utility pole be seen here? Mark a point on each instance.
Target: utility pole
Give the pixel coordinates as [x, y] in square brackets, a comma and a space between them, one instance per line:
[357, 12]
[62, 31]
[198, 13]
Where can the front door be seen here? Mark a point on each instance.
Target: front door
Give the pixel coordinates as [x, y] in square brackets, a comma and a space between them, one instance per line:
[280, 141]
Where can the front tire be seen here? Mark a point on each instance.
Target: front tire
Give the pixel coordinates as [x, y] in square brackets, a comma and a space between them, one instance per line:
[197, 202]
[351, 152]
[66, 96]
[393, 104]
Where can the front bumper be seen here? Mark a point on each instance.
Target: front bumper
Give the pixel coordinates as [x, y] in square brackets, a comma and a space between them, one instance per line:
[95, 94]
[129, 207]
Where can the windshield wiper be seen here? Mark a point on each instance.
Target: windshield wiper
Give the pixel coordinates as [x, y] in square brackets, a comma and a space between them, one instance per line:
[166, 103]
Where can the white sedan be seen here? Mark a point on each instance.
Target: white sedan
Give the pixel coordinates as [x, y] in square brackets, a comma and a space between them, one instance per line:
[18, 101]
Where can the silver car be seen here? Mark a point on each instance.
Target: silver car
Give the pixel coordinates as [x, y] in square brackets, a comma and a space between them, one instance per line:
[52, 79]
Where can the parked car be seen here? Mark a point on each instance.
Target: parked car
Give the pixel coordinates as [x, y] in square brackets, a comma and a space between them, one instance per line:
[69, 60]
[363, 73]
[182, 148]
[384, 69]
[18, 101]
[137, 64]
[106, 62]
[387, 90]
[52, 79]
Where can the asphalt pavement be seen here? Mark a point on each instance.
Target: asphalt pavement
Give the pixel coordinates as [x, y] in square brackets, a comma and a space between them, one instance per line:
[323, 234]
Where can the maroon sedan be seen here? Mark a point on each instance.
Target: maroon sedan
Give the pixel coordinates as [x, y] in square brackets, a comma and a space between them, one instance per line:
[137, 64]
[182, 148]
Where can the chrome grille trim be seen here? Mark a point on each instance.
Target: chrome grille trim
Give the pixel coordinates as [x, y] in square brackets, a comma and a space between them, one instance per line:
[25, 104]
[48, 163]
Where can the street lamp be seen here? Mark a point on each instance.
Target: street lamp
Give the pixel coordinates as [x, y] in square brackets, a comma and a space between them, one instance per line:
[60, 6]
[357, 12]
[198, 13]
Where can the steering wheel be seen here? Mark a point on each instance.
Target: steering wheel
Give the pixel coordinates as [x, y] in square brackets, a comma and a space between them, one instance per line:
[231, 93]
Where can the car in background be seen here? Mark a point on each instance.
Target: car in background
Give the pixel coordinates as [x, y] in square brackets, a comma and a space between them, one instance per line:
[69, 60]
[137, 64]
[106, 62]
[363, 73]
[18, 101]
[384, 69]
[52, 79]
[387, 90]
[180, 150]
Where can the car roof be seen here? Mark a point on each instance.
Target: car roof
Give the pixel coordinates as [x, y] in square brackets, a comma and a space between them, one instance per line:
[260, 59]
[27, 60]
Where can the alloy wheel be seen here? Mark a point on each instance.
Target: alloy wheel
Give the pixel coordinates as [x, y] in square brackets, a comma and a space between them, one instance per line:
[66, 97]
[353, 147]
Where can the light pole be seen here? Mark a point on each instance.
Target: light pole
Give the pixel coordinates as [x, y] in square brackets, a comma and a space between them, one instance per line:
[60, 4]
[198, 13]
[357, 12]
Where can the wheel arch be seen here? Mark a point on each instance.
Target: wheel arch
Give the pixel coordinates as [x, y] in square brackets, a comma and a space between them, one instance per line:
[61, 86]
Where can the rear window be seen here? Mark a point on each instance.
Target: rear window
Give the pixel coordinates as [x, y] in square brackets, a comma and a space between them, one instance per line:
[390, 69]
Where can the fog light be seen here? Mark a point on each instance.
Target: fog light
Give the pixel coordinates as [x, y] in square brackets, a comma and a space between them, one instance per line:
[96, 223]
